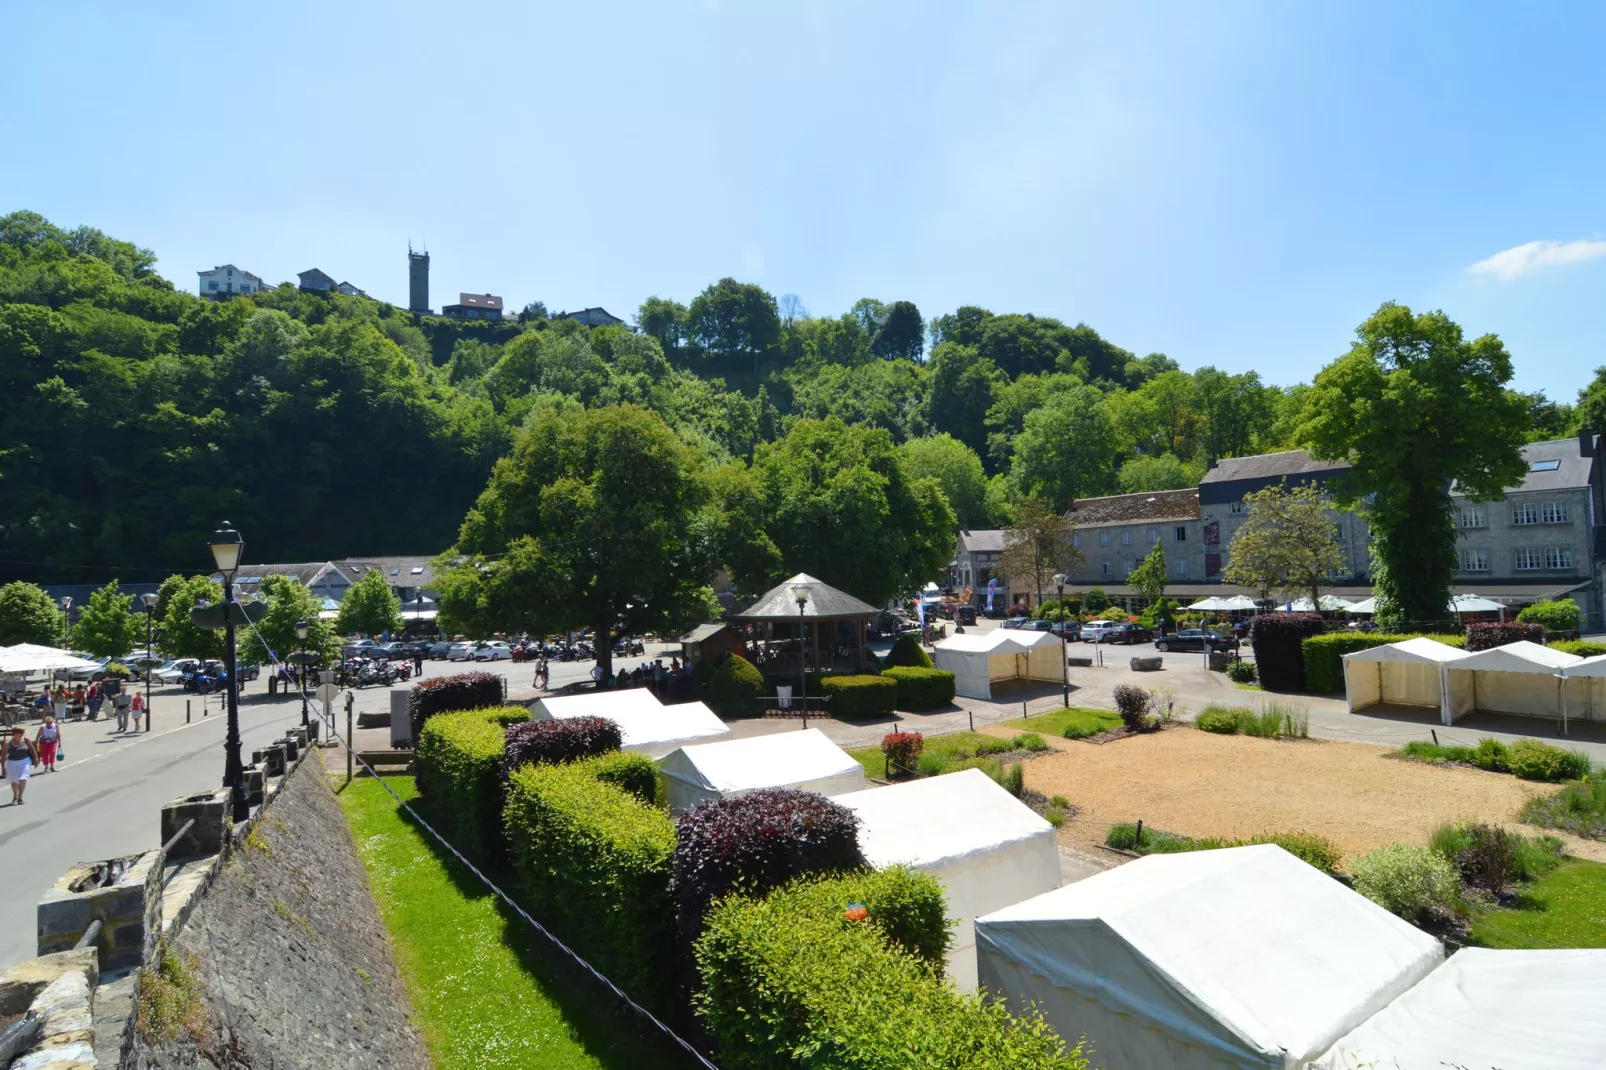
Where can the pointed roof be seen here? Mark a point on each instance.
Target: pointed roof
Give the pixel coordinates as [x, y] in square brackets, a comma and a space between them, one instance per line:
[824, 602]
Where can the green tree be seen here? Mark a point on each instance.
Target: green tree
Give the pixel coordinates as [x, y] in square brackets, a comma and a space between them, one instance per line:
[105, 626]
[599, 519]
[1037, 544]
[901, 333]
[840, 504]
[735, 325]
[1415, 408]
[1164, 472]
[1148, 579]
[27, 613]
[369, 606]
[180, 638]
[664, 320]
[289, 603]
[1066, 450]
[959, 394]
[1591, 409]
[957, 469]
[1287, 543]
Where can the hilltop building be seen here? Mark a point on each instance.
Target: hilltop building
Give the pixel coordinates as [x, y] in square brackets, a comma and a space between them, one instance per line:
[417, 281]
[315, 281]
[226, 280]
[592, 317]
[474, 307]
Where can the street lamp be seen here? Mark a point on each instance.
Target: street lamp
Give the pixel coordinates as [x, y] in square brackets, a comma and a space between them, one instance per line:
[1065, 649]
[227, 546]
[150, 660]
[800, 593]
[301, 636]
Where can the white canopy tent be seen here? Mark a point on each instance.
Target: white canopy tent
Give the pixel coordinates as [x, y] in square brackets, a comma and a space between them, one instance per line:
[1522, 678]
[1518, 1010]
[1216, 604]
[804, 760]
[647, 725]
[1330, 603]
[980, 659]
[1407, 673]
[1245, 957]
[30, 657]
[1586, 688]
[987, 847]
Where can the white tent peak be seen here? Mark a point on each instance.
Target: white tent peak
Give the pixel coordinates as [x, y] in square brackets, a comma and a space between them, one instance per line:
[647, 725]
[805, 760]
[1521, 656]
[1420, 648]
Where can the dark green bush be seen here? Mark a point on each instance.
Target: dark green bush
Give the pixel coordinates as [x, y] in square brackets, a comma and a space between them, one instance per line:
[1324, 654]
[733, 687]
[907, 653]
[460, 772]
[792, 980]
[1277, 639]
[451, 694]
[921, 689]
[1223, 720]
[1485, 855]
[594, 862]
[1240, 671]
[1096, 601]
[1533, 760]
[860, 696]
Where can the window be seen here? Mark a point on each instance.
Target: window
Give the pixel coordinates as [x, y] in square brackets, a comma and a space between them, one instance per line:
[1104, 540]
[1558, 558]
[1473, 516]
[1236, 508]
[1528, 560]
[1553, 513]
[1544, 466]
[1076, 541]
[1182, 534]
[1150, 536]
[1525, 514]
[1104, 569]
[1131, 567]
[1474, 560]
[1126, 538]
[1182, 566]
[212, 285]
[1338, 532]
[417, 570]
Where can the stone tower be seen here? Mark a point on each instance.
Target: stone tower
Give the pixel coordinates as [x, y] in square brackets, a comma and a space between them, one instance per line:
[417, 280]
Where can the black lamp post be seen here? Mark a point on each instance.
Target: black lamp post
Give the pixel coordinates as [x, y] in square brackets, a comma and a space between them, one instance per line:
[800, 592]
[227, 546]
[150, 658]
[1065, 648]
[301, 636]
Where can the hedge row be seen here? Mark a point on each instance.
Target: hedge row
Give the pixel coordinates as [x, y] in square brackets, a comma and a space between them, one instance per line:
[860, 696]
[555, 741]
[451, 694]
[460, 772]
[595, 861]
[922, 689]
[846, 972]
[1278, 658]
[1324, 654]
[1487, 635]
[1581, 647]
[907, 653]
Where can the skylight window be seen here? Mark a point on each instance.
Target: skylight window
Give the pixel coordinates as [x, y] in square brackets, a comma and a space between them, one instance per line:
[395, 572]
[1544, 466]
[417, 570]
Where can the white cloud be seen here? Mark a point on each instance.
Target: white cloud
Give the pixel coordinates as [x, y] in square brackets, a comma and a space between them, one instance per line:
[1530, 258]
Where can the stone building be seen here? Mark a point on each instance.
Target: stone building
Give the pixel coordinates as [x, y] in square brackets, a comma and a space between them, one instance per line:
[1222, 509]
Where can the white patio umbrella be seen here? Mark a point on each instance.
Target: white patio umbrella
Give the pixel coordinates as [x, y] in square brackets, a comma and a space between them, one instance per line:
[1330, 604]
[30, 657]
[1217, 605]
[1472, 603]
[1365, 605]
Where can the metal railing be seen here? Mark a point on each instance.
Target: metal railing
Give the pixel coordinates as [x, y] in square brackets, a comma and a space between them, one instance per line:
[179, 835]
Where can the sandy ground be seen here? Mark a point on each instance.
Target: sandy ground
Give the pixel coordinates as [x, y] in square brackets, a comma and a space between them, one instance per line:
[1199, 784]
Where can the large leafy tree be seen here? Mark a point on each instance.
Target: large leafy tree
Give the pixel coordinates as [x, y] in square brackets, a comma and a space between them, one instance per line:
[1415, 408]
[1038, 543]
[369, 606]
[1148, 579]
[289, 603]
[1066, 450]
[735, 325]
[841, 505]
[28, 614]
[1287, 543]
[105, 626]
[957, 469]
[960, 393]
[901, 333]
[599, 520]
[177, 598]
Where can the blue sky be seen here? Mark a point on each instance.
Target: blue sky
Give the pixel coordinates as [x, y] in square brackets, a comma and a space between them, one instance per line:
[1236, 184]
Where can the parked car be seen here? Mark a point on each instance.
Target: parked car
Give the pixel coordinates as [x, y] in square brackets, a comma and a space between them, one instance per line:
[174, 672]
[1095, 631]
[359, 648]
[390, 652]
[1193, 639]
[1128, 633]
[493, 650]
[460, 652]
[1066, 630]
[436, 648]
[1037, 626]
[1014, 622]
[965, 614]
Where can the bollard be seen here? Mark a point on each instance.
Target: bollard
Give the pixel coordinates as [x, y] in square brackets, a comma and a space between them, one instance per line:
[186, 711]
[1435, 734]
[349, 751]
[1023, 713]
[1138, 843]
[971, 715]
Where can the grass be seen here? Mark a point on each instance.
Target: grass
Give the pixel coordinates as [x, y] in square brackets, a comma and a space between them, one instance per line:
[1529, 759]
[1316, 850]
[1578, 808]
[1275, 721]
[1074, 722]
[1565, 909]
[487, 990]
[949, 748]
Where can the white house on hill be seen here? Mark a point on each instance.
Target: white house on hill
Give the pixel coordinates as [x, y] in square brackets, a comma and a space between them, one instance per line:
[226, 280]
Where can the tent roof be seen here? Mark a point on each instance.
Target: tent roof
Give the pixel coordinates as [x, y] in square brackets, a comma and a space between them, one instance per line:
[600, 703]
[1525, 1010]
[997, 641]
[31, 657]
[940, 818]
[1330, 603]
[1365, 605]
[1218, 604]
[1196, 930]
[825, 602]
[646, 726]
[1420, 650]
[758, 761]
[1521, 656]
[1594, 666]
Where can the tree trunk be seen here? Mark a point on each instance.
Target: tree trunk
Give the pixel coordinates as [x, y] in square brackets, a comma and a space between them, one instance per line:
[602, 636]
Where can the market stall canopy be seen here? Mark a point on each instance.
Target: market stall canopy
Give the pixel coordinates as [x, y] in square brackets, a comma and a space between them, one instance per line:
[1365, 605]
[1473, 603]
[1518, 1010]
[980, 659]
[987, 847]
[824, 602]
[1503, 680]
[1331, 603]
[1216, 604]
[647, 725]
[1521, 656]
[807, 761]
[30, 657]
[1407, 673]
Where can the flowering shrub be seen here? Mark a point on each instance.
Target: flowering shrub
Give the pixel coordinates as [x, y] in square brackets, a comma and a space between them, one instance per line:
[1489, 634]
[1412, 882]
[902, 750]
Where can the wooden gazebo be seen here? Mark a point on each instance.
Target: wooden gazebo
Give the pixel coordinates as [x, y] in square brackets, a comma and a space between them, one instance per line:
[833, 625]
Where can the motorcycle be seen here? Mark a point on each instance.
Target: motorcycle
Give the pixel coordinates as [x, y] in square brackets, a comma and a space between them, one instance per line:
[404, 669]
[375, 673]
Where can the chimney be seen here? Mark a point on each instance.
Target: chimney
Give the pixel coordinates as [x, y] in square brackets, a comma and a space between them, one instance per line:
[1586, 443]
[1213, 462]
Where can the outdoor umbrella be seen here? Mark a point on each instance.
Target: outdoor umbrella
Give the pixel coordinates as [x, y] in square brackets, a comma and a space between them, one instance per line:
[29, 657]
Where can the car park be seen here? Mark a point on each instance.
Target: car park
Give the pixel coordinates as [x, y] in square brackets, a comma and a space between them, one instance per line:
[360, 648]
[1068, 629]
[436, 648]
[1094, 631]
[1192, 639]
[494, 650]
[1128, 634]
[460, 652]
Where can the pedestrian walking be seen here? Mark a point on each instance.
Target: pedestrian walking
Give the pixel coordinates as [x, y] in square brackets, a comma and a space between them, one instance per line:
[47, 743]
[20, 759]
[93, 699]
[120, 703]
[139, 709]
[543, 673]
[60, 706]
[418, 661]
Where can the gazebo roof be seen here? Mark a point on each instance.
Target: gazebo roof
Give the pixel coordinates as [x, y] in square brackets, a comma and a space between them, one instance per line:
[825, 603]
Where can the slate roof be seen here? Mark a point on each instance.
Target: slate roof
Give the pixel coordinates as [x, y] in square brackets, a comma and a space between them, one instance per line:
[706, 631]
[1269, 466]
[825, 602]
[308, 572]
[1144, 506]
[1570, 473]
[490, 301]
[982, 542]
[397, 570]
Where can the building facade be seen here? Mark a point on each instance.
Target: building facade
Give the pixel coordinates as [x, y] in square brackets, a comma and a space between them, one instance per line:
[226, 280]
[474, 307]
[592, 317]
[417, 281]
[1222, 509]
[316, 281]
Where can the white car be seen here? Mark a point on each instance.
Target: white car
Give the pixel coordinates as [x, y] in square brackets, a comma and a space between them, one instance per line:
[1096, 631]
[173, 672]
[495, 650]
[460, 652]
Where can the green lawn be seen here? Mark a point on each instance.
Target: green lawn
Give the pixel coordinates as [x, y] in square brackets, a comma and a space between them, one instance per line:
[955, 745]
[487, 990]
[1565, 909]
[1071, 723]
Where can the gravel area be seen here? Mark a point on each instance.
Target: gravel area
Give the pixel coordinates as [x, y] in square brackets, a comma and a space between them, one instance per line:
[1200, 784]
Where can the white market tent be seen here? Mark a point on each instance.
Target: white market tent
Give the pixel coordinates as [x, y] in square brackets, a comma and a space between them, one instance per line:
[1215, 604]
[1407, 673]
[648, 726]
[1586, 688]
[1331, 603]
[980, 659]
[30, 657]
[1518, 1010]
[987, 847]
[804, 760]
[1244, 957]
[1522, 678]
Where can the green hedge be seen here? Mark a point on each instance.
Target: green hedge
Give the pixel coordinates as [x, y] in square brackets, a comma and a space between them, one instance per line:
[1324, 654]
[790, 980]
[907, 652]
[634, 773]
[1582, 647]
[460, 773]
[594, 862]
[922, 689]
[860, 696]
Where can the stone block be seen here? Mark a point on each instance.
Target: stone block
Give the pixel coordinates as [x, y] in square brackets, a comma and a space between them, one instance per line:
[1218, 661]
[292, 748]
[1146, 664]
[273, 759]
[253, 784]
[374, 719]
[299, 734]
[124, 895]
[1079, 663]
[312, 732]
[20, 984]
[210, 811]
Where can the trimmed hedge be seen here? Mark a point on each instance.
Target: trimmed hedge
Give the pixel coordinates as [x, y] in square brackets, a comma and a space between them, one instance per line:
[921, 689]
[801, 978]
[557, 742]
[594, 861]
[1324, 654]
[860, 696]
[1560, 615]
[1489, 634]
[1313, 850]
[633, 773]
[1582, 647]
[1278, 659]
[460, 772]
[907, 653]
[451, 694]
[733, 687]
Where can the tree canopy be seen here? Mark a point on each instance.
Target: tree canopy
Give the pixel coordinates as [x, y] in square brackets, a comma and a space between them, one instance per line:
[369, 607]
[28, 614]
[1287, 543]
[106, 626]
